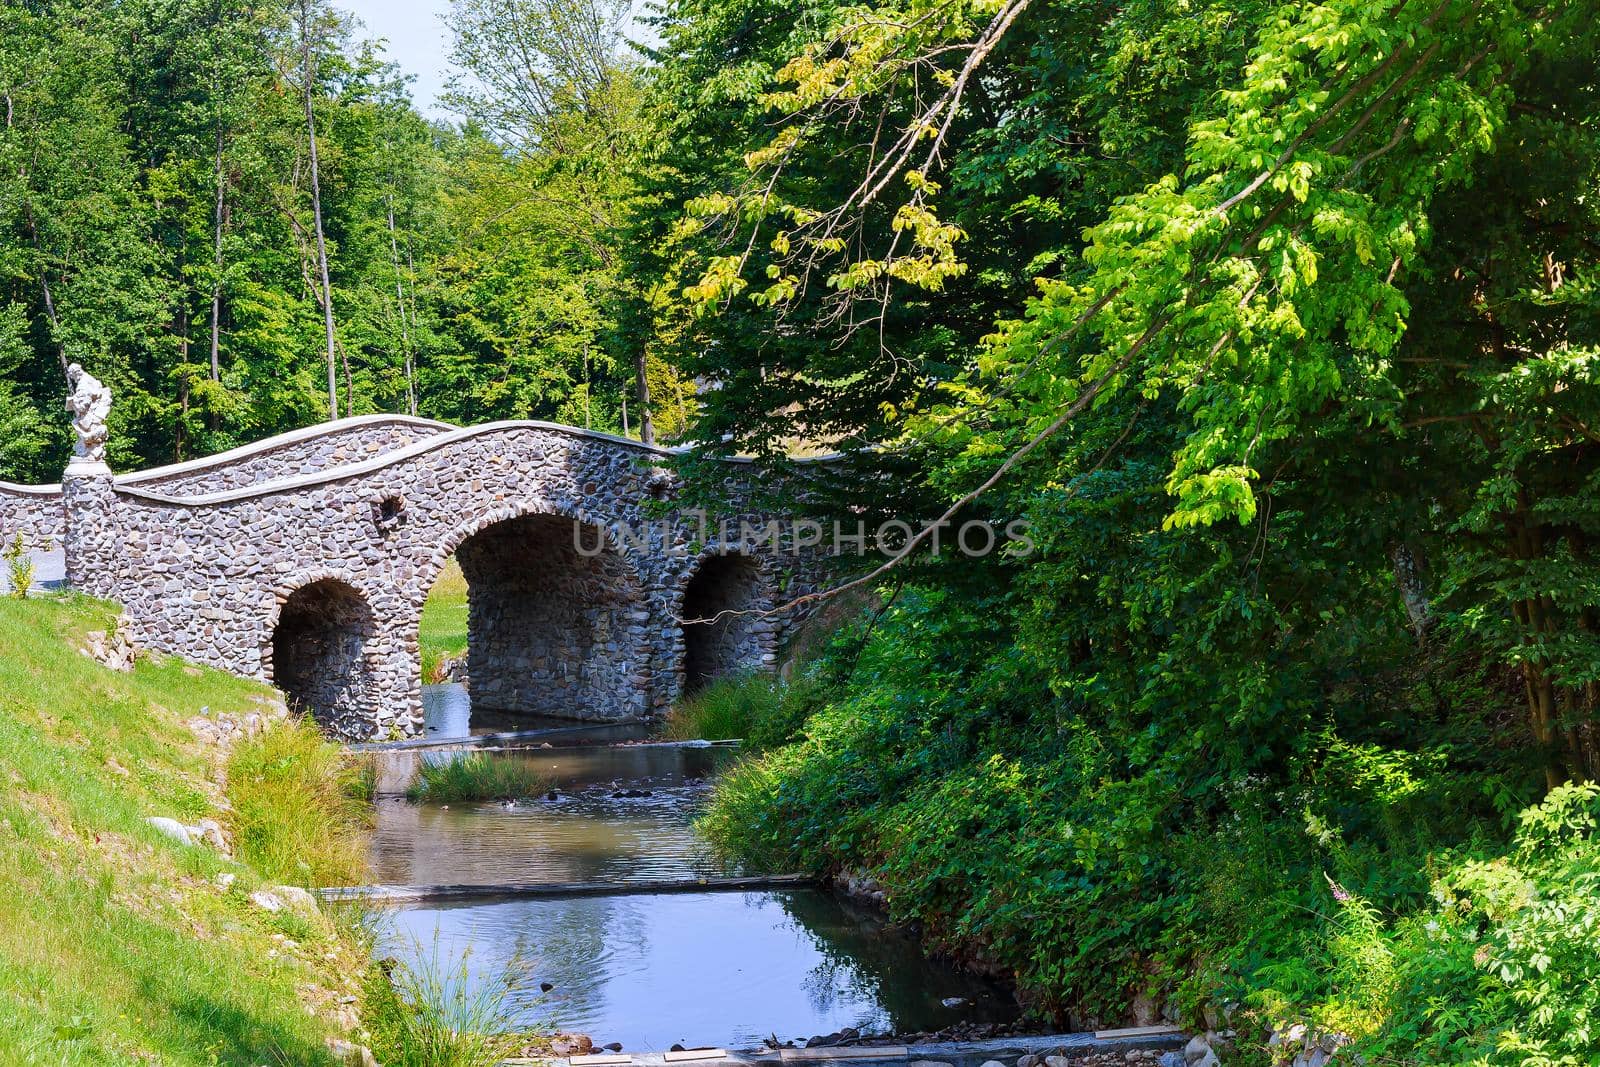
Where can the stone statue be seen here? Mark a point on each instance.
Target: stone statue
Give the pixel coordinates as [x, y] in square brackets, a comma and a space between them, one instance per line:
[90, 404]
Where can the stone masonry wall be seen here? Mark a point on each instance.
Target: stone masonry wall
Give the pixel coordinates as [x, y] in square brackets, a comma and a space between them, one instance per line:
[38, 514]
[209, 577]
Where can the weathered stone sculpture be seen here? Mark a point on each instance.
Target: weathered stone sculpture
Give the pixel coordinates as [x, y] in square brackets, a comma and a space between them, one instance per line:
[90, 404]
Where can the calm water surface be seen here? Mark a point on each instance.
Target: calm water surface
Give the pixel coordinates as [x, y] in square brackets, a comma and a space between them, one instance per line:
[701, 968]
[722, 969]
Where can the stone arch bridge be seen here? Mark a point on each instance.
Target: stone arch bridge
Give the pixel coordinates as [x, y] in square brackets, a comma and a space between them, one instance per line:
[305, 560]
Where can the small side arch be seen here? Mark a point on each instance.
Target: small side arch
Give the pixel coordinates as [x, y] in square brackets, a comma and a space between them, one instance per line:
[724, 632]
[322, 652]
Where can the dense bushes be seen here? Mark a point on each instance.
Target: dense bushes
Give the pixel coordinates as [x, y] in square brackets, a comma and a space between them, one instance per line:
[1343, 872]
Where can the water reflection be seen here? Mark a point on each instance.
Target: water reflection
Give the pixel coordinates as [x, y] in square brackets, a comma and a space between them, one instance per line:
[449, 715]
[586, 835]
[702, 968]
[647, 970]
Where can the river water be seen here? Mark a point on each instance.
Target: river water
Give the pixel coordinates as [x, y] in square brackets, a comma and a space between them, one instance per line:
[650, 970]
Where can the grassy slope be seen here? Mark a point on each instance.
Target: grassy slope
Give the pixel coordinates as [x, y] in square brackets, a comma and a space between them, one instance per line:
[444, 620]
[116, 945]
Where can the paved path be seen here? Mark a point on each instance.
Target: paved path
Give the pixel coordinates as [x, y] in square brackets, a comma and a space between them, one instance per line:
[50, 570]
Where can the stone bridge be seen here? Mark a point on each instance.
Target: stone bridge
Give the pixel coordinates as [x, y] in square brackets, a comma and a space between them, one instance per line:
[305, 560]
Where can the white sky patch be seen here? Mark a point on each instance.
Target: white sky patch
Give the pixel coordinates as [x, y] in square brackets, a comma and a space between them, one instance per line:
[417, 41]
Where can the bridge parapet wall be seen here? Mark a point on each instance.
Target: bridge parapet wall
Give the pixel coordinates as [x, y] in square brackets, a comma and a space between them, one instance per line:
[38, 513]
[303, 452]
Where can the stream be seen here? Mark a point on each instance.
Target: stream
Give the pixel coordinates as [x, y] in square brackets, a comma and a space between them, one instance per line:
[647, 969]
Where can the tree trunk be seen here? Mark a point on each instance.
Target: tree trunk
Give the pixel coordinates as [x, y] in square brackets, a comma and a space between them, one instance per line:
[400, 305]
[647, 428]
[1415, 597]
[49, 300]
[216, 265]
[316, 208]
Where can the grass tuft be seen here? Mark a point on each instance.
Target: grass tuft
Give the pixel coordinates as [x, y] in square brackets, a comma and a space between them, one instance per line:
[432, 1012]
[477, 776]
[299, 813]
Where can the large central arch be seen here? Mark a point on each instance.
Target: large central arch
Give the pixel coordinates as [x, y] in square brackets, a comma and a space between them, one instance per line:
[556, 624]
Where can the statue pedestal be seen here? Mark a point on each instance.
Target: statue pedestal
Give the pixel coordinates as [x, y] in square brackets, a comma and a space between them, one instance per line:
[83, 467]
[91, 545]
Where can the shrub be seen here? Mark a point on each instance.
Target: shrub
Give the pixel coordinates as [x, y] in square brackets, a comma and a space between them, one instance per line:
[19, 567]
[477, 776]
[1501, 967]
[298, 811]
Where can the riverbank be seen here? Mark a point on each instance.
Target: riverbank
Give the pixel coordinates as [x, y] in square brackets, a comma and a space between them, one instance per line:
[120, 942]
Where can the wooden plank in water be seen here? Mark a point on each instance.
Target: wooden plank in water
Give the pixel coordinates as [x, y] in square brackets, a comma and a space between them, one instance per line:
[400, 894]
[690, 1055]
[1137, 1031]
[846, 1052]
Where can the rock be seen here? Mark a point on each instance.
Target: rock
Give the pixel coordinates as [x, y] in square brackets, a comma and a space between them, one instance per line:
[210, 831]
[1172, 1059]
[266, 901]
[992, 1063]
[172, 828]
[1029, 1060]
[929, 1063]
[545, 987]
[1057, 1061]
[224, 880]
[612, 1046]
[348, 1052]
[1195, 1049]
[295, 897]
[1208, 1060]
[955, 1002]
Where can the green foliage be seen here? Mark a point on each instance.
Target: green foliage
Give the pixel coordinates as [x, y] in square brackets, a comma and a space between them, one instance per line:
[476, 776]
[299, 812]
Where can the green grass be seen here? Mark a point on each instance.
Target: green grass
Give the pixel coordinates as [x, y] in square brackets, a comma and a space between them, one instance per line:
[477, 776]
[116, 943]
[443, 634]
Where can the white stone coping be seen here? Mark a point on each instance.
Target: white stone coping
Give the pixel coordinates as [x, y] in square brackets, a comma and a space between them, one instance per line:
[31, 490]
[292, 437]
[444, 434]
[394, 457]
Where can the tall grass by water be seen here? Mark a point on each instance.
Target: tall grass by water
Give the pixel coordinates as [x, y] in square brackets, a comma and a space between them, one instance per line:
[476, 776]
[760, 709]
[299, 806]
[431, 1011]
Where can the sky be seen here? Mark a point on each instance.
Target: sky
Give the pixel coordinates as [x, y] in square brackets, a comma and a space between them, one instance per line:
[417, 42]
